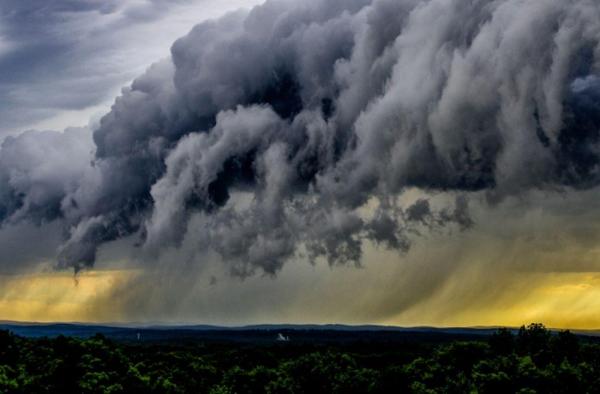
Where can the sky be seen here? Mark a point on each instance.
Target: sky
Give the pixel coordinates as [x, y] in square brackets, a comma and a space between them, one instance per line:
[403, 162]
[64, 62]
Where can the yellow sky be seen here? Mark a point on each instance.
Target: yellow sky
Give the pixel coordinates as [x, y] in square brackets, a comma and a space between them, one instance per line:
[518, 265]
[57, 296]
[561, 300]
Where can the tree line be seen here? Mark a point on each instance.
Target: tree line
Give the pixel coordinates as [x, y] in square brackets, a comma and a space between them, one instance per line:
[532, 360]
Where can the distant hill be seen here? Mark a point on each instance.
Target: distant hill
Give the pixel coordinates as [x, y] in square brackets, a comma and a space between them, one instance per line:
[252, 333]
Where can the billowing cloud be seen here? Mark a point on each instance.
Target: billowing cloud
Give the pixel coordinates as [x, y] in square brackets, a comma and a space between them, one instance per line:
[296, 128]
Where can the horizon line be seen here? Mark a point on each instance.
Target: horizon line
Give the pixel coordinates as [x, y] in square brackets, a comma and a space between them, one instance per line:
[150, 325]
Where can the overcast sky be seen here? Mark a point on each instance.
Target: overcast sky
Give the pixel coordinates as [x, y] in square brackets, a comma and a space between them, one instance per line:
[365, 161]
[63, 62]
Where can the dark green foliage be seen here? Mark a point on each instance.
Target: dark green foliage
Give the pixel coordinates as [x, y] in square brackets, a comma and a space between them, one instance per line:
[532, 361]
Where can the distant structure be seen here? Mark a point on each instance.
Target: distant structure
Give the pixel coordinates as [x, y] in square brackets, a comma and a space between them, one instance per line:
[282, 338]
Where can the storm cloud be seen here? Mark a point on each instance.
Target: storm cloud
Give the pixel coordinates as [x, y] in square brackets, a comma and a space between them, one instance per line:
[294, 128]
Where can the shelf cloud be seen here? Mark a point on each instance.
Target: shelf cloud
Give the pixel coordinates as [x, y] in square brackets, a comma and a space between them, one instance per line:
[295, 128]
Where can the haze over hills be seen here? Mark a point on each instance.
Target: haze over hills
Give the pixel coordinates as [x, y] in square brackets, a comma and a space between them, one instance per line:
[316, 333]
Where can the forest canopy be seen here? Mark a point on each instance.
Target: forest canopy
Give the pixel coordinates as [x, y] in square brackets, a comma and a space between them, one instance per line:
[532, 359]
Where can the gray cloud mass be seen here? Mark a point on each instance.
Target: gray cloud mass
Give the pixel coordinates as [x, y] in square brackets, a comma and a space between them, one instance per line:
[294, 127]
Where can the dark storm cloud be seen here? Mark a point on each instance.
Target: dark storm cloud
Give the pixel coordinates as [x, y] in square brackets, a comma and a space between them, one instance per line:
[294, 128]
[38, 169]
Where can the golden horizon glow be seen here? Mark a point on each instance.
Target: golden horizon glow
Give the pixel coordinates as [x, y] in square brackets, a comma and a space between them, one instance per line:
[57, 296]
[558, 300]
